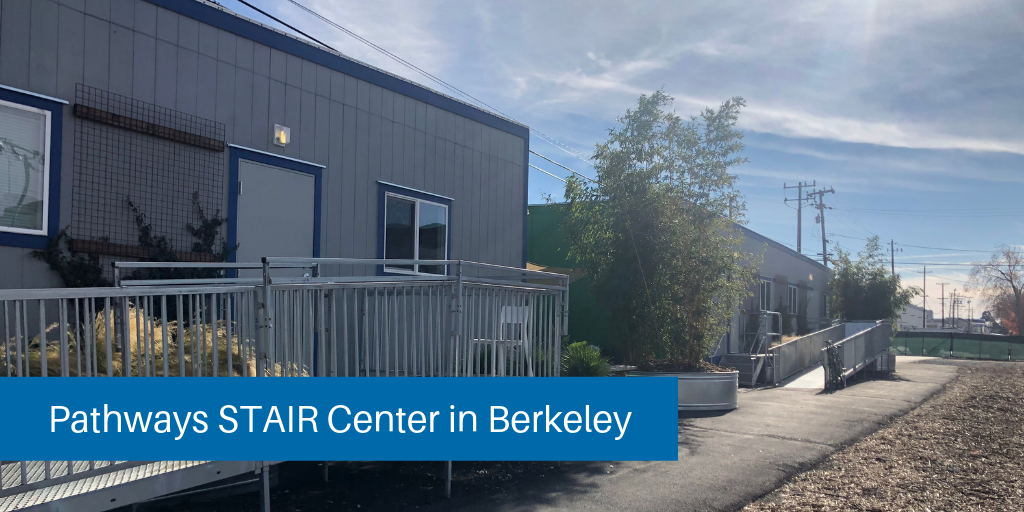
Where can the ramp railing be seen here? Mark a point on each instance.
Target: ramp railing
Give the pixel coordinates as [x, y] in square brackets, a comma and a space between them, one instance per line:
[859, 350]
[337, 317]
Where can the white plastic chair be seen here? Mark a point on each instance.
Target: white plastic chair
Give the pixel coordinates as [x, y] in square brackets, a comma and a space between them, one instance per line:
[513, 333]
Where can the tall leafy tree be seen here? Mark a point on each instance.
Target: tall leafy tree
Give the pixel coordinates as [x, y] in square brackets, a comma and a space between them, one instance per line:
[656, 229]
[864, 289]
[1001, 279]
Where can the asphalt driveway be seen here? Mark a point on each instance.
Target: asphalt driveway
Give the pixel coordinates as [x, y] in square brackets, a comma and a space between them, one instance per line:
[728, 460]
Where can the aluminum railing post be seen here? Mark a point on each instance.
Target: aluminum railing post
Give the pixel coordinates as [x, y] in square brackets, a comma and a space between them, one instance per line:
[457, 331]
[264, 325]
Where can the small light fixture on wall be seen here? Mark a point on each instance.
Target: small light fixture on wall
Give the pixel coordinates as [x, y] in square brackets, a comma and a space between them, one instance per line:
[282, 135]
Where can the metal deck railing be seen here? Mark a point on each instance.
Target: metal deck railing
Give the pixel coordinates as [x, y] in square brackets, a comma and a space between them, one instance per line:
[295, 317]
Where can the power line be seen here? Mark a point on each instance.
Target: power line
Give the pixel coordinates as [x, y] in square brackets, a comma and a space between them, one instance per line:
[433, 78]
[548, 173]
[563, 167]
[918, 246]
[265, 13]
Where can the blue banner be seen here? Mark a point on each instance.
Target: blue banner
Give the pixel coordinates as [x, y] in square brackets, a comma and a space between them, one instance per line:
[316, 418]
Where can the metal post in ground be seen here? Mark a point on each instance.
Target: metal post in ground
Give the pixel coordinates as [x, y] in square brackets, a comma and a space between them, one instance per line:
[448, 480]
[265, 489]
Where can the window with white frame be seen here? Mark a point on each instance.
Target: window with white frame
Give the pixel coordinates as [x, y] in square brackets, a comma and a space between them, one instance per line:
[415, 229]
[24, 168]
[794, 298]
[765, 295]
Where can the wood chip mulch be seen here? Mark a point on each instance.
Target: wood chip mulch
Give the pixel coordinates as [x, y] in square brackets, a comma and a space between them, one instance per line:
[961, 450]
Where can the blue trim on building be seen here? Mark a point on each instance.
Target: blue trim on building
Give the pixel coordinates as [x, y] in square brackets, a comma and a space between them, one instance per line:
[263, 35]
[237, 153]
[56, 109]
[382, 190]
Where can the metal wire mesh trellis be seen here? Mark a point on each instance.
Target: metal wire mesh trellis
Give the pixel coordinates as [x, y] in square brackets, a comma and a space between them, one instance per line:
[156, 157]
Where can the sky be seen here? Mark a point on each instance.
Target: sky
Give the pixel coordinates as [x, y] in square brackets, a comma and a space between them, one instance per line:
[911, 110]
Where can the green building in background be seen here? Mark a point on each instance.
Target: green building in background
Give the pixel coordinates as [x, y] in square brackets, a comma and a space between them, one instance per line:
[547, 250]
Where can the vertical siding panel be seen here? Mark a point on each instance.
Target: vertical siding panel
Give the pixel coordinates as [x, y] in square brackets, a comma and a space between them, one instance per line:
[276, 113]
[375, 144]
[244, 49]
[122, 56]
[398, 153]
[408, 157]
[337, 87]
[261, 59]
[357, 199]
[208, 40]
[363, 95]
[323, 131]
[145, 18]
[293, 117]
[364, 184]
[167, 25]
[387, 107]
[351, 86]
[398, 106]
[97, 53]
[420, 160]
[260, 136]
[122, 12]
[227, 46]
[70, 45]
[98, 8]
[188, 68]
[307, 121]
[166, 74]
[278, 65]
[476, 196]
[430, 164]
[351, 199]
[144, 68]
[339, 232]
[308, 76]
[376, 94]
[186, 32]
[206, 99]
[42, 77]
[293, 70]
[225, 109]
[243, 107]
[458, 213]
[323, 81]
[14, 38]
[387, 150]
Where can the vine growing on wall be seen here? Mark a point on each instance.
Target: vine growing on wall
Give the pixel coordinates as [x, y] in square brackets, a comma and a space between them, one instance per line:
[76, 270]
[79, 269]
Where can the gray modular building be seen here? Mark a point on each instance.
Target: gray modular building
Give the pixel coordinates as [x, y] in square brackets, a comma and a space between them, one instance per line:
[169, 112]
[788, 281]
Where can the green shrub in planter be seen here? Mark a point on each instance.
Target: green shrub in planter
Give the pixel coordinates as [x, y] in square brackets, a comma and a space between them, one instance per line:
[582, 360]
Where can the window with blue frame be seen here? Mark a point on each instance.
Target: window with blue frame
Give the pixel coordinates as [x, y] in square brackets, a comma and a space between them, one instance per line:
[30, 146]
[24, 168]
[415, 228]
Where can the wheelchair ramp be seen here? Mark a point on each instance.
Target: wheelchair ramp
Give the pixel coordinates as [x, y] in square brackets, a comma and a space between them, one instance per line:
[110, 490]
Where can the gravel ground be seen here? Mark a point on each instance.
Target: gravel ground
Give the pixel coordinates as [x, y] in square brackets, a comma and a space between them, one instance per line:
[961, 450]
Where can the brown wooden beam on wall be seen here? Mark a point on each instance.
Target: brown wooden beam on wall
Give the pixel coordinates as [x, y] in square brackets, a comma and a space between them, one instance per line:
[134, 251]
[138, 125]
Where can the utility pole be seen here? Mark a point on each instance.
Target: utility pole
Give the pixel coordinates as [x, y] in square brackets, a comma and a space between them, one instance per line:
[924, 297]
[820, 205]
[942, 301]
[892, 255]
[799, 208]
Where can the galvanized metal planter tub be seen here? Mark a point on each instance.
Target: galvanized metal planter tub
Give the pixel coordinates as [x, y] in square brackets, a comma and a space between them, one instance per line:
[703, 391]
